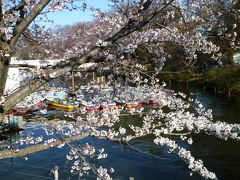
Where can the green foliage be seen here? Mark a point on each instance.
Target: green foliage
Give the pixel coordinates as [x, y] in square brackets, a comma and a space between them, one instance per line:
[222, 79]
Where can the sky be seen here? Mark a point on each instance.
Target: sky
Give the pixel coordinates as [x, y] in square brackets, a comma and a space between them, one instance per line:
[67, 17]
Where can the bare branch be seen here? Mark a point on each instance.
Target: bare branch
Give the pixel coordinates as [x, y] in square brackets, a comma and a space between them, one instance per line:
[147, 153]
[145, 5]
[1, 13]
[39, 147]
[29, 38]
[22, 65]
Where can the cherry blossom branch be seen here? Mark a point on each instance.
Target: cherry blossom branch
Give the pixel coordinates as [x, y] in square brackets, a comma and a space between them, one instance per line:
[180, 12]
[193, 164]
[129, 28]
[80, 154]
[17, 7]
[131, 67]
[72, 63]
[20, 28]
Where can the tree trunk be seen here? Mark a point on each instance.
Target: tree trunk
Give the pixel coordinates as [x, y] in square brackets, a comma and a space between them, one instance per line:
[4, 66]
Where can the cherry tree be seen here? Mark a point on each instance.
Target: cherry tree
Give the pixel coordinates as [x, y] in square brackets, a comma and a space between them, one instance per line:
[15, 18]
[69, 64]
[114, 35]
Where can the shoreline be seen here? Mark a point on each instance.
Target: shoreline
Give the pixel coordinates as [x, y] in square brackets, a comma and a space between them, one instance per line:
[224, 80]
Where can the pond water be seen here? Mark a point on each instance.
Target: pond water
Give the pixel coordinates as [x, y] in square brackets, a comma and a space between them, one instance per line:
[219, 156]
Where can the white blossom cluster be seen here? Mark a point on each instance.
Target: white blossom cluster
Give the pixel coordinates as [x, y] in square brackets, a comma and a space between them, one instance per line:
[82, 166]
[193, 164]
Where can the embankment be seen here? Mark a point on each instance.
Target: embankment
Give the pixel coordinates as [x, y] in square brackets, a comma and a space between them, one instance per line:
[224, 80]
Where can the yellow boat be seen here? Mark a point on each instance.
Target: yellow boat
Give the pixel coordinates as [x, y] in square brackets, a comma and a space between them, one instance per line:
[56, 105]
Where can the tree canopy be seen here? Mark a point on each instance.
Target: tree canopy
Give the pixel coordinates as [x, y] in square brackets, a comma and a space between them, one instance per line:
[197, 27]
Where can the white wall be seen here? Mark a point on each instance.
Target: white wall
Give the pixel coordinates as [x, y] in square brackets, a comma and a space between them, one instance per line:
[38, 63]
[20, 76]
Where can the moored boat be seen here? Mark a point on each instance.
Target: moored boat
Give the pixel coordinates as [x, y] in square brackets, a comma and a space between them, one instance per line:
[24, 111]
[56, 105]
[19, 111]
[153, 103]
[134, 105]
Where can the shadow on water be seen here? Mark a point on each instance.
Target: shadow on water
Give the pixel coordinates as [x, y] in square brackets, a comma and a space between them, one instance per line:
[219, 156]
